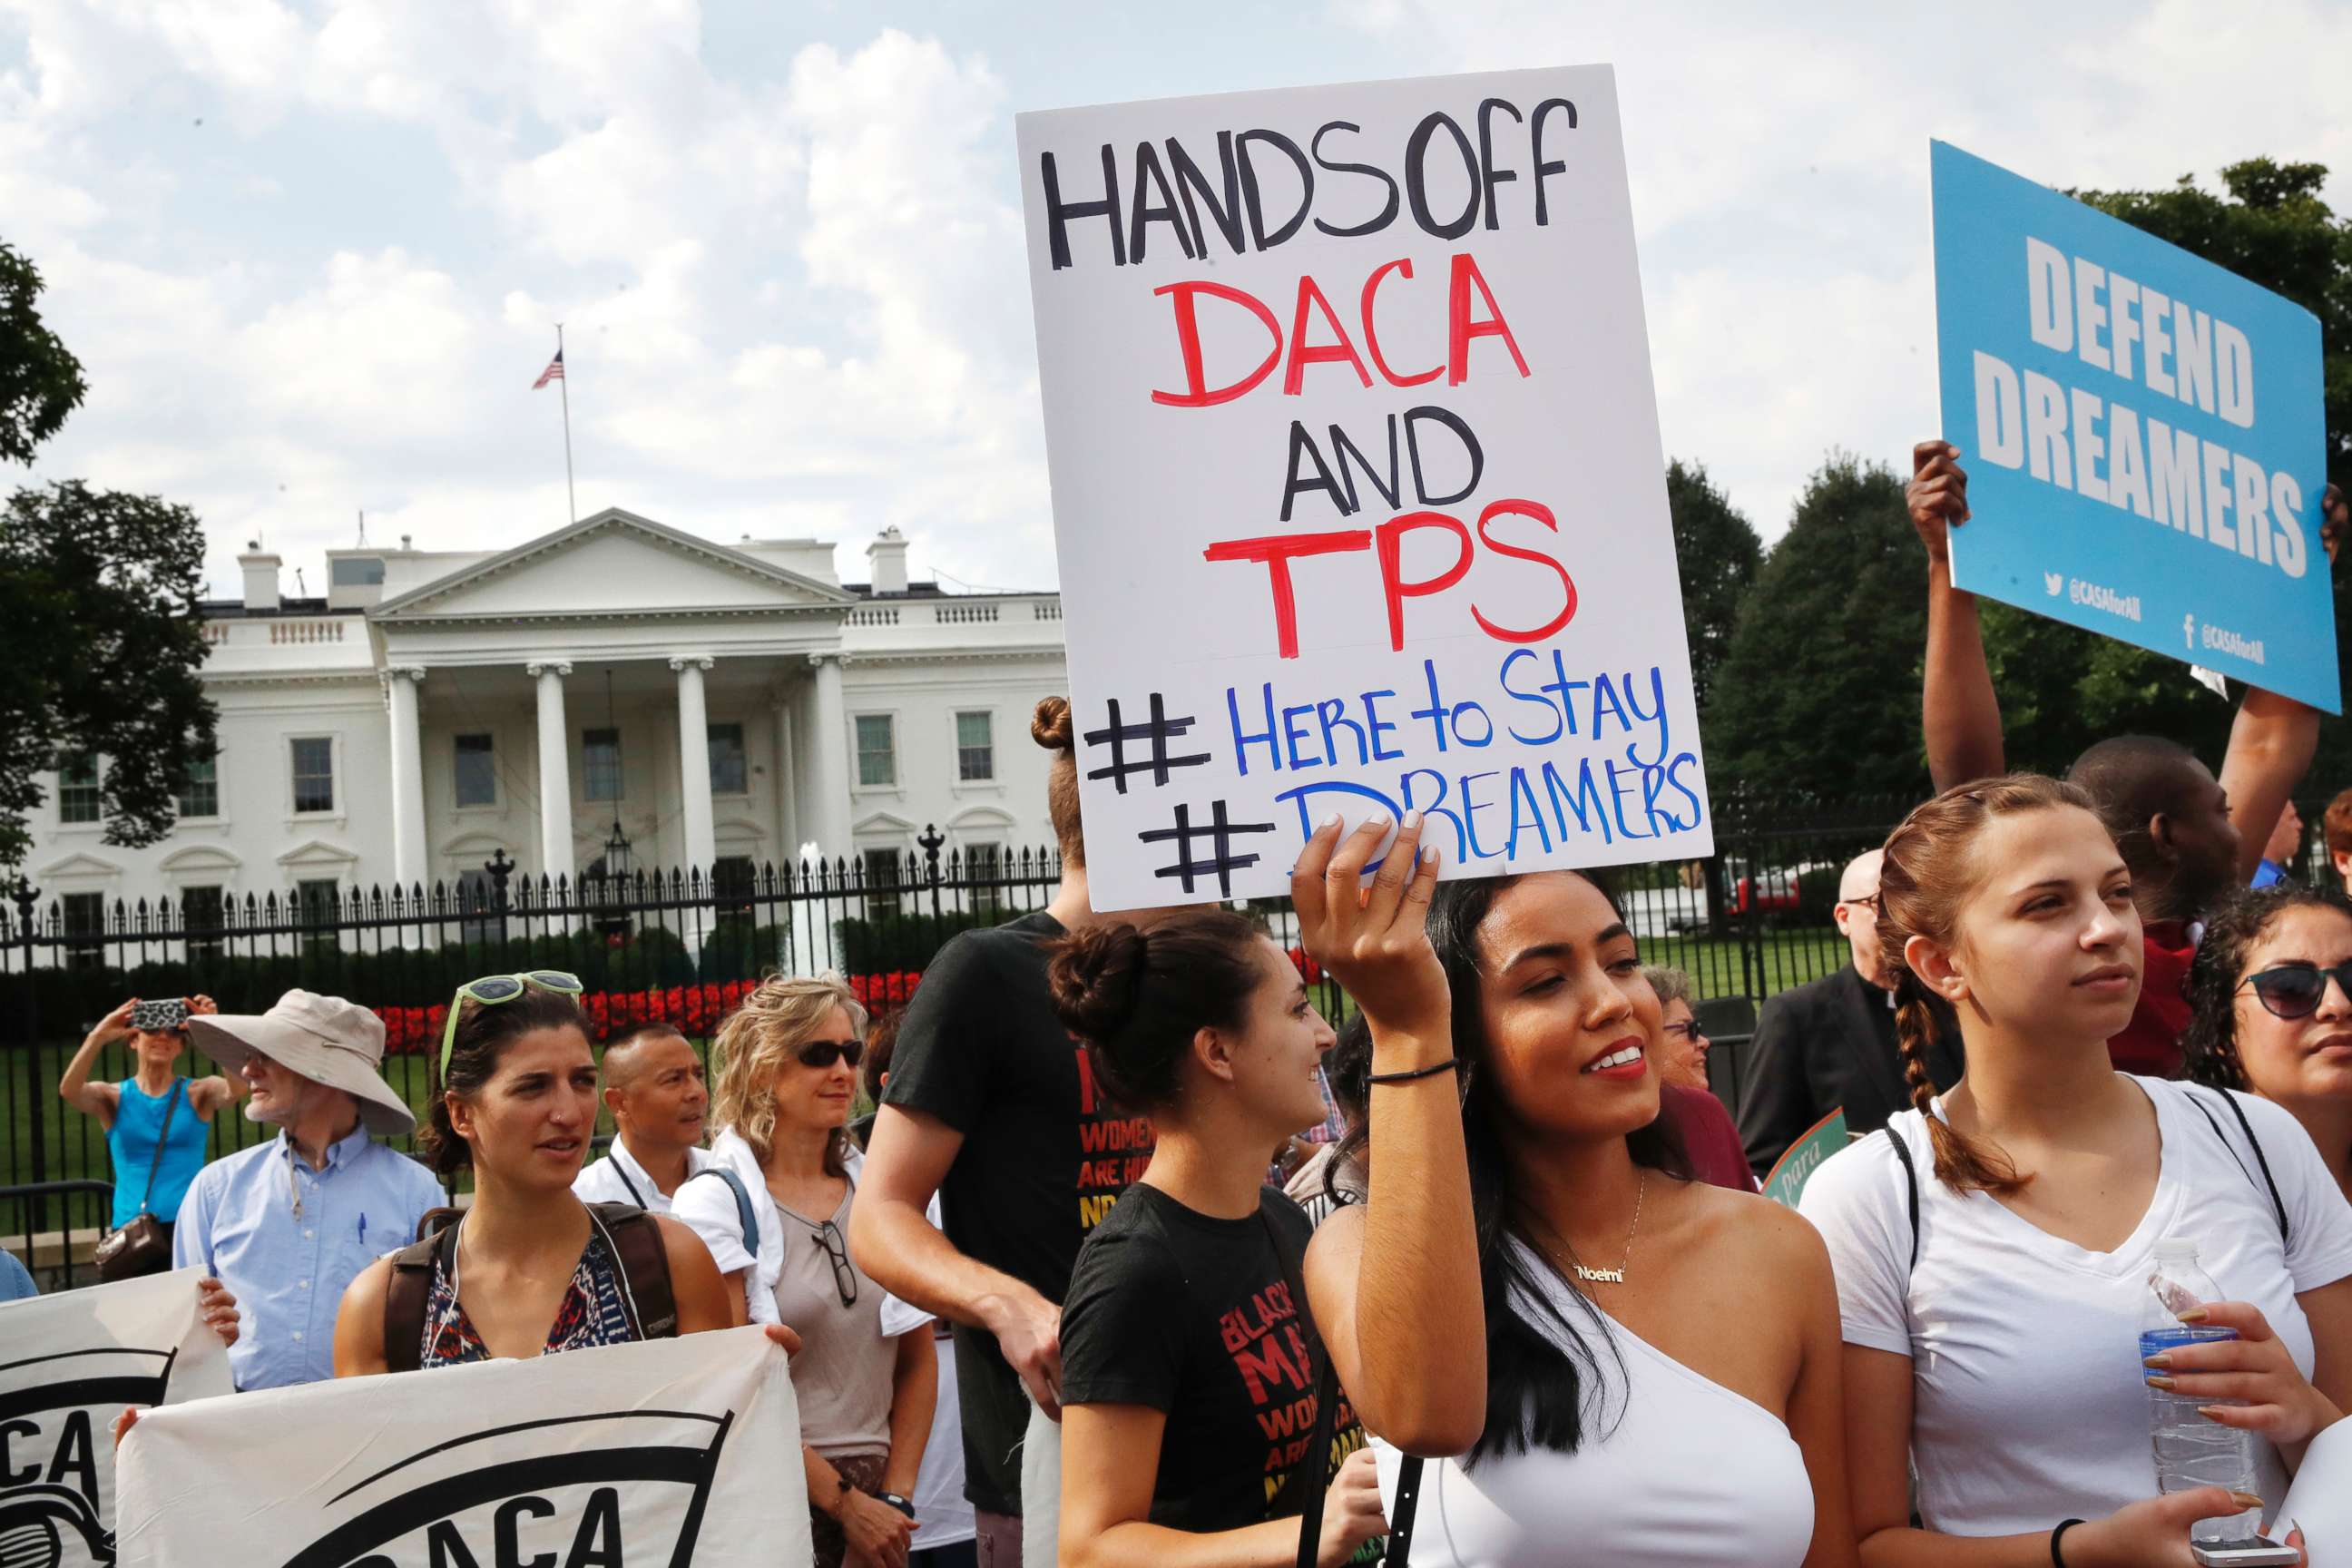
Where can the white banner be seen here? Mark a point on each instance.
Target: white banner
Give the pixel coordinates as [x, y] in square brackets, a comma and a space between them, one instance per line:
[1358, 488]
[68, 1364]
[670, 1452]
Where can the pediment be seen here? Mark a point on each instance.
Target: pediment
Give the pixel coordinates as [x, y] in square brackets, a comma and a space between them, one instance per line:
[199, 858]
[981, 818]
[882, 822]
[613, 564]
[78, 866]
[317, 854]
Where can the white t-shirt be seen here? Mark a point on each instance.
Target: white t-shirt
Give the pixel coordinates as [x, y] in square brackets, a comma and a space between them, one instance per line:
[943, 1515]
[2029, 1405]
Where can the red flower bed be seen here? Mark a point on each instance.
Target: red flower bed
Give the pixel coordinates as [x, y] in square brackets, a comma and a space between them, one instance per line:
[696, 1010]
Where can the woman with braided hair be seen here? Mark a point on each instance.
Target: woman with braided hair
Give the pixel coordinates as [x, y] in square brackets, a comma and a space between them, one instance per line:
[1993, 1247]
[2274, 1017]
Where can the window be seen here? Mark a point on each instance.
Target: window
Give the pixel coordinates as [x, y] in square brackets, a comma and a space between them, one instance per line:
[728, 773]
[85, 925]
[878, 751]
[881, 880]
[314, 773]
[78, 791]
[357, 572]
[200, 795]
[600, 763]
[201, 916]
[731, 880]
[975, 747]
[476, 899]
[478, 770]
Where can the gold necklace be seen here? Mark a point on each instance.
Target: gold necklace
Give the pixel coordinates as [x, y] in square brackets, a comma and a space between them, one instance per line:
[1617, 1276]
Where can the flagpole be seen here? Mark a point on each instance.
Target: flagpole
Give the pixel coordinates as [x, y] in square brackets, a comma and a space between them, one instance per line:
[564, 382]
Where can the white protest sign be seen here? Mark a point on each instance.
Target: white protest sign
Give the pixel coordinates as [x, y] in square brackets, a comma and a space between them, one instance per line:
[68, 1364]
[670, 1451]
[2321, 1500]
[1358, 490]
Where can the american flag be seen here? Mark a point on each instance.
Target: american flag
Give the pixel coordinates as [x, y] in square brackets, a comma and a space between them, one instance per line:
[554, 372]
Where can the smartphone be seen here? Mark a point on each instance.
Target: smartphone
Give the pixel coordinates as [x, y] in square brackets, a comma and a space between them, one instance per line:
[2258, 1552]
[154, 1017]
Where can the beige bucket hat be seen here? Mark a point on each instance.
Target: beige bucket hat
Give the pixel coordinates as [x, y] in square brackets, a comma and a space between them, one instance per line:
[324, 1038]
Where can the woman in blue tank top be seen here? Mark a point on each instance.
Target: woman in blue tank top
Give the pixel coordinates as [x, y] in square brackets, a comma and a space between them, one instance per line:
[134, 1111]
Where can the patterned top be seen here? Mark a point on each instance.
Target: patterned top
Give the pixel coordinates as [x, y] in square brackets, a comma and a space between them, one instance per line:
[594, 1310]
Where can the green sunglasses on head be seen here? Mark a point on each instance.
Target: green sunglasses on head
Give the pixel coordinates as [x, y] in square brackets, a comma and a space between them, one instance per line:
[493, 989]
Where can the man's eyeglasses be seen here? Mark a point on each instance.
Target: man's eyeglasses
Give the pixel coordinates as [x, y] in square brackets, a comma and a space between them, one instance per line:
[2295, 990]
[1870, 902]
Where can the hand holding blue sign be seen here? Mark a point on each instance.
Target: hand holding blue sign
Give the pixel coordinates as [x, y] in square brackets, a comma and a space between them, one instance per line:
[2147, 430]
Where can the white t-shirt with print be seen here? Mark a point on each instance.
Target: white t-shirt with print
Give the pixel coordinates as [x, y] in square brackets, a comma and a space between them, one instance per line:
[2029, 1405]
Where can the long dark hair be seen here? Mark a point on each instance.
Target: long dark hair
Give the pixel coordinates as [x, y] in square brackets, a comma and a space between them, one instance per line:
[2209, 1046]
[1535, 1389]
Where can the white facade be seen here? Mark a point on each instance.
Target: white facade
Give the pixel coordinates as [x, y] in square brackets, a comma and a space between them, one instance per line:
[439, 707]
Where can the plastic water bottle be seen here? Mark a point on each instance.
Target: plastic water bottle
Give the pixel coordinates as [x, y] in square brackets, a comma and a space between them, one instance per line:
[2192, 1451]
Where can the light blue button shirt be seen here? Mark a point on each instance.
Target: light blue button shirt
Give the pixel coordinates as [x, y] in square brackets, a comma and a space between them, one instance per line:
[287, 1269]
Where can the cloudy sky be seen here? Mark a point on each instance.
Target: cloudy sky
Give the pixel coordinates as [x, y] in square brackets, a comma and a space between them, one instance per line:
[312, 255]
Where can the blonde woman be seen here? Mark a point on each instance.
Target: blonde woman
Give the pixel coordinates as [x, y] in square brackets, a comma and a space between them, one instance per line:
[774, 1211]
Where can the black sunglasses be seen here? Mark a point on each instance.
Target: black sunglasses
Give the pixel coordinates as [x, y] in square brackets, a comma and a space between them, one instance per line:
[2295, 990]
[825, 1053]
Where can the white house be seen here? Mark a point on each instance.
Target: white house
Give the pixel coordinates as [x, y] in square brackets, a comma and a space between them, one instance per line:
[715, 706]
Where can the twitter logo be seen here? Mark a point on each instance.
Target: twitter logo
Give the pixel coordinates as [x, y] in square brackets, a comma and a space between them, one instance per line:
[2054, 581]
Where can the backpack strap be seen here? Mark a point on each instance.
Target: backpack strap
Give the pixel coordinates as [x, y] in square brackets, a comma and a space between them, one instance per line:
[406, 1294]
[1910, 1189]
[636, 1239]
[744, 1213]
[2278, 1204]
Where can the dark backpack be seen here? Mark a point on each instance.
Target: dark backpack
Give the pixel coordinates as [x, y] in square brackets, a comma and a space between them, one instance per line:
[633, 1236]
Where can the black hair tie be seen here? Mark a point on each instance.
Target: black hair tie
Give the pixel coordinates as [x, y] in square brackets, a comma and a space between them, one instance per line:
[1415, 1073]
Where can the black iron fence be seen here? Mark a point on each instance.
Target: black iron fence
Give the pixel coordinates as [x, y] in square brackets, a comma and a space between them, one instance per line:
[1754, 921]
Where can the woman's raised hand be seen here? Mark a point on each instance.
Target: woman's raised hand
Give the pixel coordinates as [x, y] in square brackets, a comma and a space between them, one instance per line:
[1374, 940]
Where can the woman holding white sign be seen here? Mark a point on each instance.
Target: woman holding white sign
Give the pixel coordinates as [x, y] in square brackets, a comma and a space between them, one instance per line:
[1535, 1291]
[1996, 1247]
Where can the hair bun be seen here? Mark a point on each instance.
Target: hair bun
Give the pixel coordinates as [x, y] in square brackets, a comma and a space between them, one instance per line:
[1096, 979]
[1050, 726]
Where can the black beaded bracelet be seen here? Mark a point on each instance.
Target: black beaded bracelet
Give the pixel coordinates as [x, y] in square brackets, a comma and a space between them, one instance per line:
[1430, 1071]
[2056, 1559]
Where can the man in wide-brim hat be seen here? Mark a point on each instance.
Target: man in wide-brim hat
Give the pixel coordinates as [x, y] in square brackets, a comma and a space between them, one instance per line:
[283, 1227]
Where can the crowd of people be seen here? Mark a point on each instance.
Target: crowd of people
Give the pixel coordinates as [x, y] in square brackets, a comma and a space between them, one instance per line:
[1527, 1306]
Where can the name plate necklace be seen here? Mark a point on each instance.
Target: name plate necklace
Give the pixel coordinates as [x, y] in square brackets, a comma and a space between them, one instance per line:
[1617, 1276]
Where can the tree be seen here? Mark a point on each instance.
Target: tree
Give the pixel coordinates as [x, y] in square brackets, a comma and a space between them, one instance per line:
[2062, 687]
[40, 380]
[103, 646]
[1818, 694]
[1718, 554]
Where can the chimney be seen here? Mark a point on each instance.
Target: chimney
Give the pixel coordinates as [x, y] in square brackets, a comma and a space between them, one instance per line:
[260, 578]
[885, 559]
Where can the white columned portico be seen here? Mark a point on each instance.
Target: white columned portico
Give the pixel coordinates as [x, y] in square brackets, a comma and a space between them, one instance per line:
[554, 772]
[400, 683]
[788, 793]
[694, 762]
[826, 817]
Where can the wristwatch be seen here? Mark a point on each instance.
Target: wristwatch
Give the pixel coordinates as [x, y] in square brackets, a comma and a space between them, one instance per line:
[901, 1504]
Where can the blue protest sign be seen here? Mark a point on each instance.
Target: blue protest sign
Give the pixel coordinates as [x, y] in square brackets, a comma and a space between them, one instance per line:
[2143, 433]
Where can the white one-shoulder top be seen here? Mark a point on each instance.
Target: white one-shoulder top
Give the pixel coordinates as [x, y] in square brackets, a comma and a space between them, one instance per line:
[1674, 1471]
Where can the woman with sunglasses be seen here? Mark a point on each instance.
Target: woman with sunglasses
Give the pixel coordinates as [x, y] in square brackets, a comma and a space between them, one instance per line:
[2272, 984]
[530, 1269]
[774, 1212]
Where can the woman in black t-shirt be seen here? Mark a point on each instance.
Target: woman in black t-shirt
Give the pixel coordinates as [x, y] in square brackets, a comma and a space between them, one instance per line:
[1188, 1381]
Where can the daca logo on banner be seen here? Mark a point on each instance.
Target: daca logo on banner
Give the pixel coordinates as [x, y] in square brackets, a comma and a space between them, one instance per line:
[596, 1491]
[56, 1502]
